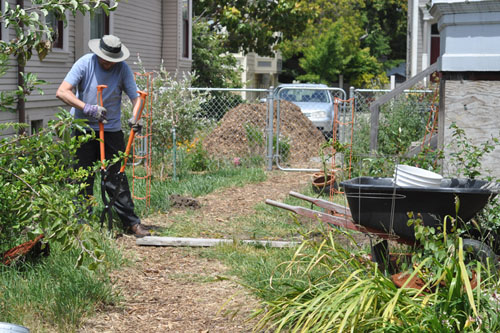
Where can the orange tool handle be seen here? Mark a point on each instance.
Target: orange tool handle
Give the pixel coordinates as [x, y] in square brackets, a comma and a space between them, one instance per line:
[100, 88]
[137, 116]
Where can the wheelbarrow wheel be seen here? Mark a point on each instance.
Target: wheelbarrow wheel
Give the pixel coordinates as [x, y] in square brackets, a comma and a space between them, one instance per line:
[477, 250]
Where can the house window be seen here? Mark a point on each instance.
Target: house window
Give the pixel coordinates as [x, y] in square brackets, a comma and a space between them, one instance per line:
[435, 43]
[99, 24]
[185, 28]
[57, 27]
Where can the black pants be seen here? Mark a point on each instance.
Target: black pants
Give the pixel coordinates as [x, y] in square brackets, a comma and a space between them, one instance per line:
[88, 154]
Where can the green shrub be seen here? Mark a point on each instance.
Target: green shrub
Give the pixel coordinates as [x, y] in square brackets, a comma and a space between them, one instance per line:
[197, 158]
[174, 105]
[401, 122]
[40, 189]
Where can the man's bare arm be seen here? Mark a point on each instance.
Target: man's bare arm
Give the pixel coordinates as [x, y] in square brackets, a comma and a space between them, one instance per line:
[65, 93]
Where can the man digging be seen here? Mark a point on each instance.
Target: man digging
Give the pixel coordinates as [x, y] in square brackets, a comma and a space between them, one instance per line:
[105, 66]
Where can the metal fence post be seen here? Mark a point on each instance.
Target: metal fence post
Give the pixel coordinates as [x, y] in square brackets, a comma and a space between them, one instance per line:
[270, 118]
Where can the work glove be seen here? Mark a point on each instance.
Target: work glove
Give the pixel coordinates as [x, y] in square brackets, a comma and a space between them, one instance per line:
[136, 126]
[96, 112]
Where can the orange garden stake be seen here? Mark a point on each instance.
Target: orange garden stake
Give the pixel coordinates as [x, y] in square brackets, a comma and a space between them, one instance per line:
[336, 124]
[142, 145]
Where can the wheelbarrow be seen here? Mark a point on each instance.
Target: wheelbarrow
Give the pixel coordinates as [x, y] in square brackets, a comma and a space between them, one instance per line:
[379, 208]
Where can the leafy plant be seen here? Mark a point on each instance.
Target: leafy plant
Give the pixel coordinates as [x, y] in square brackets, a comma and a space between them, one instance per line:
[255, 139]
[174, 106]
[40, 189]
[197, 158]
[450, 266]
[466, 157]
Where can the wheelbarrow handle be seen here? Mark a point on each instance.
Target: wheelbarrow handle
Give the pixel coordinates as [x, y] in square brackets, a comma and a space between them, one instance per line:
[100, 89]
[344, 222]
[137, 113]
[339, 221]
[323, 203]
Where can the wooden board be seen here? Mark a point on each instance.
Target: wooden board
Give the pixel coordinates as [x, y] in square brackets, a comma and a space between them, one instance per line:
[206, 242]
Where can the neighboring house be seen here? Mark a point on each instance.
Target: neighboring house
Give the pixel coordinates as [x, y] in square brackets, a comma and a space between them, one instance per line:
[155, 29]
[258, 72]
[422, 38]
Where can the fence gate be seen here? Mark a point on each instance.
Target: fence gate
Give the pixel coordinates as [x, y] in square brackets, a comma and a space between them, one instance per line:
[302, 122]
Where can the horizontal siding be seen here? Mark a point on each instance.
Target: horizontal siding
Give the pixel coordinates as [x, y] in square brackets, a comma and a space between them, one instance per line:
[139, 27]
[171, 45]
[52, 69]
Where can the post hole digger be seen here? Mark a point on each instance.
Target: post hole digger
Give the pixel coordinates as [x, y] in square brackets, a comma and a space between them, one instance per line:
[109, 193]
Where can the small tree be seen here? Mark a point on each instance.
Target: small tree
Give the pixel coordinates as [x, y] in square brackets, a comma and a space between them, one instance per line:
[38, 186]
[213, 65]
[174, 105]
[337, 52]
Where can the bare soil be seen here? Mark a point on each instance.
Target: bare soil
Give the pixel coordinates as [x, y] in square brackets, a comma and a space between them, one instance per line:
[174, 289]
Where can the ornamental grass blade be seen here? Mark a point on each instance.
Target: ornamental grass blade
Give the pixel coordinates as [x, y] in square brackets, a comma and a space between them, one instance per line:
[391, 305]
[465, 276]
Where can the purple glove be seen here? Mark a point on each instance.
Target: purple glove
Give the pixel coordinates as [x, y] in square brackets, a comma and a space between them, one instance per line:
[135, 125]
[96, 112]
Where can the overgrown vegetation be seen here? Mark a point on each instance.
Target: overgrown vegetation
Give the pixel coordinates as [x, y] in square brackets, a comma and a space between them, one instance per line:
[32, 169]
[401, 123]
[52, 295]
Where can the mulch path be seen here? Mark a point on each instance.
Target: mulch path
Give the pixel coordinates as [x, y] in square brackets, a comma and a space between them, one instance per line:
[174, 289]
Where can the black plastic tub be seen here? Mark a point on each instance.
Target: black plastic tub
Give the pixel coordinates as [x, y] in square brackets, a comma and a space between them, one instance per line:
[380, 204]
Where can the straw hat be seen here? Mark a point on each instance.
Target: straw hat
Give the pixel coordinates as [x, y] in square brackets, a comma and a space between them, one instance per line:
[109, 48]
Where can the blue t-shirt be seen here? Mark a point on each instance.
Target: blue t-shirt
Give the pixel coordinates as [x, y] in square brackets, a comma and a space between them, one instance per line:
[86, 74]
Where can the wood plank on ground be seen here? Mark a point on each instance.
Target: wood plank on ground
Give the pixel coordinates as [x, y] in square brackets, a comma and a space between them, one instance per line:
[206, 242]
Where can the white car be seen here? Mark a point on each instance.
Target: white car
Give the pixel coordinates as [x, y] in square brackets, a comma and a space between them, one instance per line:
[314, 100]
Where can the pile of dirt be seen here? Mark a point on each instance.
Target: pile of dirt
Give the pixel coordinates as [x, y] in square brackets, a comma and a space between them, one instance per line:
[242, 132]
[180, 201]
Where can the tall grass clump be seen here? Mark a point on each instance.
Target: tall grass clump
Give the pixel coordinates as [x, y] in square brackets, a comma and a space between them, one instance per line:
[51, 294]
[333, 288]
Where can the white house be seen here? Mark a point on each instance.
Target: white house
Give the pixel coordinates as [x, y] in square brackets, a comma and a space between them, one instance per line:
[423, 38]
[258, 71]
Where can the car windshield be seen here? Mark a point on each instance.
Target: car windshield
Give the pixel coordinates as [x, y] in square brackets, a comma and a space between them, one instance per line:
[304, 95]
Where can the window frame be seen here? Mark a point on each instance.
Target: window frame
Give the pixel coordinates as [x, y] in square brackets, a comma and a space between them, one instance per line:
[186, 30]
[107, 24]
[61, 41]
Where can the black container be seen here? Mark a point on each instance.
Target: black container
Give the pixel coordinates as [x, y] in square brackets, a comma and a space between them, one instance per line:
[380, 204]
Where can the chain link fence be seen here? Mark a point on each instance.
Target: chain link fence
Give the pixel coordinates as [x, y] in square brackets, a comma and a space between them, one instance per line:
[238, 119]
[269, 127]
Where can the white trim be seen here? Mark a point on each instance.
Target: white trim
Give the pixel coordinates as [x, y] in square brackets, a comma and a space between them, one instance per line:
[5, 31]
